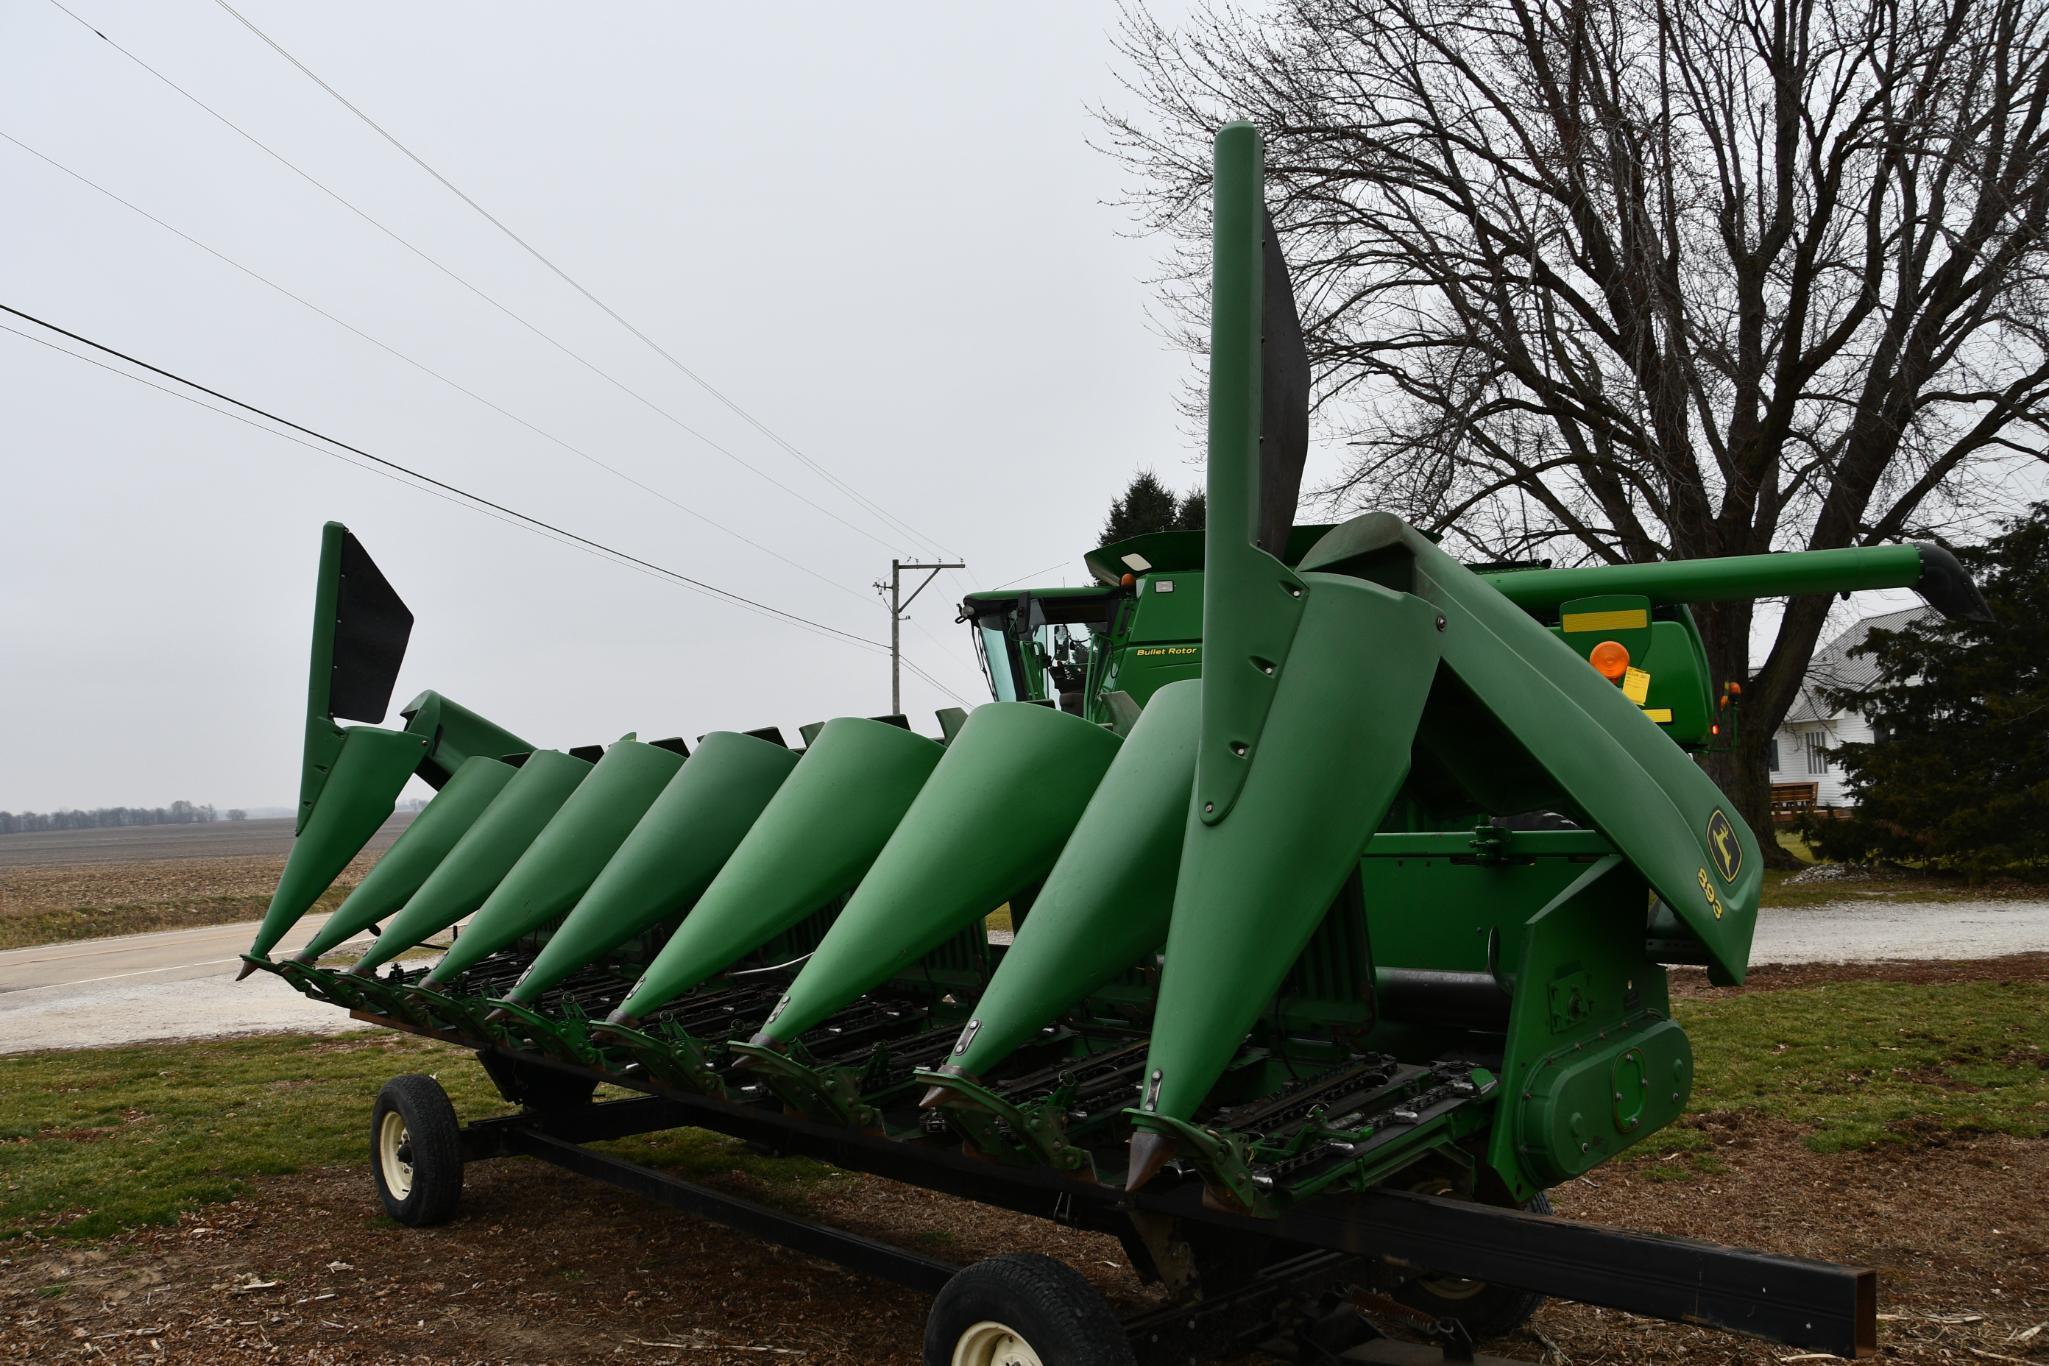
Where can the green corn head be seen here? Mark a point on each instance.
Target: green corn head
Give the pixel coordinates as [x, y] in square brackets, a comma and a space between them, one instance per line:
[1330, 862]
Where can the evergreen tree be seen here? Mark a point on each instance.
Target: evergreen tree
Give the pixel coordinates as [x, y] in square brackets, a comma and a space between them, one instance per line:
[1147, 506]
[1958, 774]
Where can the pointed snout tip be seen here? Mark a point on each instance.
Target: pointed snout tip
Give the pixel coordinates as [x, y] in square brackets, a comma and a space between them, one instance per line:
[933, 1098]
[497, 1015]
[1149, 1153]
[248, 966]
[623, 1019]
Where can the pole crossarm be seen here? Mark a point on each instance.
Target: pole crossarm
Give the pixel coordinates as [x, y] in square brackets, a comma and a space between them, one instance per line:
[897, 603]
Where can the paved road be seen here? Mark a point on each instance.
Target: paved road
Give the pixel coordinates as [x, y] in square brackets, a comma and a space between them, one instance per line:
[166, 985]
[180, 983]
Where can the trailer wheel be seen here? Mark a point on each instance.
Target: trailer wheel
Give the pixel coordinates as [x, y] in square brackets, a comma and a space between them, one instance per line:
[1487, 1311]
[416, 1151]
[1023, 1310]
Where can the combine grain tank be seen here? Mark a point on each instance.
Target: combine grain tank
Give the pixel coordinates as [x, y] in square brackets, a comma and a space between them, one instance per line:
[1343, 880]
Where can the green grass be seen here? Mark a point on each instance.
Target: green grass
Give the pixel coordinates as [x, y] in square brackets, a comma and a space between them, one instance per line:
[95, 1140]
[1861, 1064]
[98, 1139]
[1794, 843]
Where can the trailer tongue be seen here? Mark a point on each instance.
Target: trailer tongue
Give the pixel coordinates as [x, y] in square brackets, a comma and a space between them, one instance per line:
[1341, 882]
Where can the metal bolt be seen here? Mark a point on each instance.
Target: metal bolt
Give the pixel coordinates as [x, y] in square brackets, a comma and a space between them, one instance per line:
[1238, 748]
[1440, 622]
[1293, 591]
[1266, 669]
[1208, 807]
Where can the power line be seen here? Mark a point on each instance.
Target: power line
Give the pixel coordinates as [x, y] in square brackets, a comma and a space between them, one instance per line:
[945, 653]
[576, 356]
[875, 509]
[912, 665]
[426, 369]
[550, 529]
[1057, 564]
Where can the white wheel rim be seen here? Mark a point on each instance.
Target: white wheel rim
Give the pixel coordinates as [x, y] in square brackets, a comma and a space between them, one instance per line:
[393, 1148]
[990, 1343]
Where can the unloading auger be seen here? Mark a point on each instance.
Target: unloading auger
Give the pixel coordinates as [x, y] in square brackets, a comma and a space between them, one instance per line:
[1343, 881]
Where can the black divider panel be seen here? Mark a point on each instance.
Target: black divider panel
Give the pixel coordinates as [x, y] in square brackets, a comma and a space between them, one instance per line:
[371, 628]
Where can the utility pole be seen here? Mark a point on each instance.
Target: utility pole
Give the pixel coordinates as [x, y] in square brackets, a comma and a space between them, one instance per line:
[897, 604]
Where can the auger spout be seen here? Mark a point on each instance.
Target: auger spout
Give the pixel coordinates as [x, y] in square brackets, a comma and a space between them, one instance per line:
[567, 856]
[986, 826]
[1928, 569]
[484, 855]
[675, 851]
[813, 843]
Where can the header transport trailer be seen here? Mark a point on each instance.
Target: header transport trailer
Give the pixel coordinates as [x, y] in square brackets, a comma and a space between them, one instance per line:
[1343, 878]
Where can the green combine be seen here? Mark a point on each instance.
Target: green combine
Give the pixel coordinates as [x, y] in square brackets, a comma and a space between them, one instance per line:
[1343, 880]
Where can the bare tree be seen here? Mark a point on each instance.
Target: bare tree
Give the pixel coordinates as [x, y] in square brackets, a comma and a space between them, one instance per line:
[1614, 280]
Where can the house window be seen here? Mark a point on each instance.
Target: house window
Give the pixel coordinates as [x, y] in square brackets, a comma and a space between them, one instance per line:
[1817, 751]
[1776, 765]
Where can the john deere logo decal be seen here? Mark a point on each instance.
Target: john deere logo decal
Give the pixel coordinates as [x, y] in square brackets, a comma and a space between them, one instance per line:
[1722, 846]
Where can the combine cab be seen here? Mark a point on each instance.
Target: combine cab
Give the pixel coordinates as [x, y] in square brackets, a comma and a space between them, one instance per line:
[1342, 880]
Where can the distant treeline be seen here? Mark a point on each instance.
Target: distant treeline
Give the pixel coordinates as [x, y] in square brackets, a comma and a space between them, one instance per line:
[113, 818]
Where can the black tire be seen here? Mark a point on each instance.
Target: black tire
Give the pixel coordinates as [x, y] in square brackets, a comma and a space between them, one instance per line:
[1044, 1302]
[416, 1151]
[1487, 1311]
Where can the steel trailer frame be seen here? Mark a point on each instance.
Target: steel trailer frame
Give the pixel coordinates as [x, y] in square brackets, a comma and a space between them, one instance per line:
[1815, 1305]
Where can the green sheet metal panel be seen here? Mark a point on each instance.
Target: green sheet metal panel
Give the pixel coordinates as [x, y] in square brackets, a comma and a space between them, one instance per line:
[356, 793]
[812, 844]
[1105, 905]
[484, 854]
[1333, 751]
[1639, 789]
[416, 853]
[567, 856]
[675, 851]
[986, 826]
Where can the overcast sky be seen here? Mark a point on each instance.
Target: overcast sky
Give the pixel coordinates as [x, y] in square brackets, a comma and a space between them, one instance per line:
[879, 229]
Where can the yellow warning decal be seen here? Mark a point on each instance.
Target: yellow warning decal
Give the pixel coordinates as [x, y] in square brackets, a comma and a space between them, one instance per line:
[1636, 685]
[1630, 619]
[1661, 715]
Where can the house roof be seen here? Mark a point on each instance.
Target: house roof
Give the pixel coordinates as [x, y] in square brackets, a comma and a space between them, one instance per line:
[1833, 665]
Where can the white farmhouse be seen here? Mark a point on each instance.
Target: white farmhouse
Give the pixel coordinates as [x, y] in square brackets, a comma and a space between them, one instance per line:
[1805, 771]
